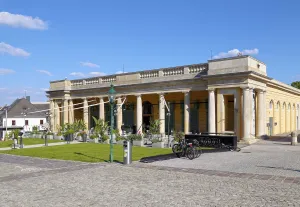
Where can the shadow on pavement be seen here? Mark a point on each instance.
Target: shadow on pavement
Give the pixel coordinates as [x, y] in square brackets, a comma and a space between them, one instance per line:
[281, 168]
[173, 156]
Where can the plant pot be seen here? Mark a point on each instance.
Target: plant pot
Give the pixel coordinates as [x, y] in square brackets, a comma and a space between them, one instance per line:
[138, 143]
[96, 140]
[49, 136]
[158, 145]
[34, 135]
[156, 136]
[120, 142]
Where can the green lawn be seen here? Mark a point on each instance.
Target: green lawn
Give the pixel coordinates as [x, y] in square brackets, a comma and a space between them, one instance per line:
[87, 152]
[27, 141]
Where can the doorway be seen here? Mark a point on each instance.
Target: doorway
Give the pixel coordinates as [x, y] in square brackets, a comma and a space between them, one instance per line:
[147, 114]
[229, 112]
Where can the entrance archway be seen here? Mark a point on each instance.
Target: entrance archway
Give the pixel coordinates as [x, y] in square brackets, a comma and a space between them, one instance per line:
[147, 114]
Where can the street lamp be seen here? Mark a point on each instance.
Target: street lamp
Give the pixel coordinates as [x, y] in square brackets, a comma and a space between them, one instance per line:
[111, 98]
[48, 114]
[24, 113]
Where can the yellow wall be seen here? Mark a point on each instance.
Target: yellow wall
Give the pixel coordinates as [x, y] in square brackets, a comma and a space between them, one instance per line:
[284, 116]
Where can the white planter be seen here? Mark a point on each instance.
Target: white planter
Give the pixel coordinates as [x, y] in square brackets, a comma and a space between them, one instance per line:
[49, 136]
[34, 135]
[58, 137]
[120, 142]
[158, 145]
[96, 140]
[138, 143]
[38, 136]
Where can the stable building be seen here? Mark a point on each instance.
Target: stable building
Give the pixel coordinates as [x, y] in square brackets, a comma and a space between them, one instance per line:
[223, 95]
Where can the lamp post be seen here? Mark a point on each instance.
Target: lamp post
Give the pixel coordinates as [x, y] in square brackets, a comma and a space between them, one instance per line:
[169, 114]
[111, 98]
[48, 114]
[24, 113]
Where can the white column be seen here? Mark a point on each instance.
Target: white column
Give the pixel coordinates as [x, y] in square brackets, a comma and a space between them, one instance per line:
[71, 111]
[237, 111]
[246, 113]
[211, 111]
[298, 107]
[162, 114]
[139, 114]
[56, 116]
[86, 112]
[119, 115]
[52, 116]
[66, 111]
[260, 113]
[186, 112]
[101, 109]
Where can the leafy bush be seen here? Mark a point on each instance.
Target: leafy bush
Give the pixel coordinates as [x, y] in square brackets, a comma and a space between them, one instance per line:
[93, 136]
[154, 126]
[120, 138]
[16, 133]
[104, 138]
[178, 136]
[35, 130]
[155, 140]
[100, 127]
[134, 137]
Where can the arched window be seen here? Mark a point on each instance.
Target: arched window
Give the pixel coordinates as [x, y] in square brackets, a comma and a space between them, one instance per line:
[289, 106]
[271, 105]
[278, 105]
[283, 105]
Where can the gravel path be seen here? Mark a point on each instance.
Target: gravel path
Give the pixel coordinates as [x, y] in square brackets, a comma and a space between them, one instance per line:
[265, 157]
[39, 182]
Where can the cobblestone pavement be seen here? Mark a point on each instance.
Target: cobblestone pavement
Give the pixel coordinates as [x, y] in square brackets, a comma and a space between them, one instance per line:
[34, 182]
[265, 157]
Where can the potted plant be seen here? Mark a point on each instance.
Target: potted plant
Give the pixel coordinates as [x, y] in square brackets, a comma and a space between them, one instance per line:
[94, 138]
[177, 137]
[49, 135]
[157, 143]
[34, 132]
[68, 132]
[105, 139]
[154, 129]
[100, 128]
[120, 139]
[136, 139]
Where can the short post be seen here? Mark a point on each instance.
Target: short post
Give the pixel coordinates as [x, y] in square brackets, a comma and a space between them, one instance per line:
[21, 142]
[46, 140]
[294, 138]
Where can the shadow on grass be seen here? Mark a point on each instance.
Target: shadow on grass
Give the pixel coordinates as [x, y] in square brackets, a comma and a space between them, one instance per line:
[96, 158]
[173, 156]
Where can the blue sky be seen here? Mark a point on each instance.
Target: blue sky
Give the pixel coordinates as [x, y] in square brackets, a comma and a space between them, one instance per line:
[42, 41]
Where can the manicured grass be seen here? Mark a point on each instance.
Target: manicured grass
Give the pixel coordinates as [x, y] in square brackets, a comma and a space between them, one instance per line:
[87, 152]
[27, 141]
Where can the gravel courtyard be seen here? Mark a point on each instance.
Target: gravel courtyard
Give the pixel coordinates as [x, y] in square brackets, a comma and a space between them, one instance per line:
[265, 157]
[29, 181]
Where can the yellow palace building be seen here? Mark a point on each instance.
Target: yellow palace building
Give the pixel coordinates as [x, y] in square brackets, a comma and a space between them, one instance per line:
[223, 95]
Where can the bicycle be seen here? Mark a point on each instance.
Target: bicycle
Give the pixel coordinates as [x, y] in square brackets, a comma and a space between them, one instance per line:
[185, 149]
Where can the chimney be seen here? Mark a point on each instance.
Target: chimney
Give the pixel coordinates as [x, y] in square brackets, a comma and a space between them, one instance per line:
[28, 98]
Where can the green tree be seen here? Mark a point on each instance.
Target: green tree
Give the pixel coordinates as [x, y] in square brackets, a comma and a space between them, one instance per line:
[100, 127]
[296, 84]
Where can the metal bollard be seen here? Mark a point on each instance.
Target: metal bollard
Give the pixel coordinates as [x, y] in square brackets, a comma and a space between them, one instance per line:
[127, 153]
[294, 138]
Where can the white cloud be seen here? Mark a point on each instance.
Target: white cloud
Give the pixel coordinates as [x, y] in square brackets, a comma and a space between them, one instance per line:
[78, 74]
[45, 72]
[4, 71]
[18, 20]
[96, 74]
[14, 51]
[120, 72]
[235, 52]
[44, 89]
[2, 89]
[89, 64]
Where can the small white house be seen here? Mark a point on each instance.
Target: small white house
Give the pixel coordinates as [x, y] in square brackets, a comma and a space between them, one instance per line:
[23, 115]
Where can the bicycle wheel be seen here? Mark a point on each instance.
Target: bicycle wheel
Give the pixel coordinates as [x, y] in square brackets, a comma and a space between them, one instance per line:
[190, 153]
[198, 151]
[177, 150]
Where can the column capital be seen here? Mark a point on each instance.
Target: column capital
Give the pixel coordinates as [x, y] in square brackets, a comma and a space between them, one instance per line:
[138, 95]
[211, 90]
